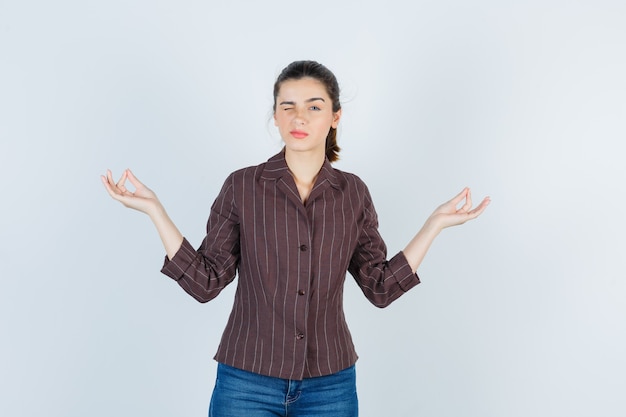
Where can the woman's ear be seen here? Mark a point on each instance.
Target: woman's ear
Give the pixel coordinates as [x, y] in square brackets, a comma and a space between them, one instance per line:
[336, 117]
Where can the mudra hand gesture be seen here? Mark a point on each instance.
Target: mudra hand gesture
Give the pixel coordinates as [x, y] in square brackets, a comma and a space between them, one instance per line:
[142, 199]
[448, 214]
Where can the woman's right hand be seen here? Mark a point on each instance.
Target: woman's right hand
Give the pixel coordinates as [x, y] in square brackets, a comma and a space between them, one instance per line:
[143, 199]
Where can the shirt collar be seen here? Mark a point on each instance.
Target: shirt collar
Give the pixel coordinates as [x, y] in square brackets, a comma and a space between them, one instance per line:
[276, 168]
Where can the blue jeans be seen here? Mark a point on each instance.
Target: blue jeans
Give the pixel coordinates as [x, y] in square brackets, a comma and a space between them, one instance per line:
[239, 393]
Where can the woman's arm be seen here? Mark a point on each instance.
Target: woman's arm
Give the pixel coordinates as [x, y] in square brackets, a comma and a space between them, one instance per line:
[444, 216]
[146, 201]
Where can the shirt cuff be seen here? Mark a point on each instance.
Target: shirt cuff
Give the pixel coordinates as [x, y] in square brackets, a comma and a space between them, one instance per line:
[175, 268]
[402, 271]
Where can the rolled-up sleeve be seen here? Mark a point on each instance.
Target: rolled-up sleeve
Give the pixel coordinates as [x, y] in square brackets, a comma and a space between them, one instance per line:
[205, 272]
[382, 281]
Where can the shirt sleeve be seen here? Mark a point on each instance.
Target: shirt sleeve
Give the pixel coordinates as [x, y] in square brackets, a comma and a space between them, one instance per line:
[205, 272]
[382, 281]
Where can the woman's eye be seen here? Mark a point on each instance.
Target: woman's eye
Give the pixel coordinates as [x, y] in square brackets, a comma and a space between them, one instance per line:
[315, 108]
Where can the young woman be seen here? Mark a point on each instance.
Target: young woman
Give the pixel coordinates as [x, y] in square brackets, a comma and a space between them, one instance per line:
[291, 228]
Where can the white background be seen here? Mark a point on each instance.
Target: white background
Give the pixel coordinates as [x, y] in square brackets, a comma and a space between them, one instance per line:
[520, 313]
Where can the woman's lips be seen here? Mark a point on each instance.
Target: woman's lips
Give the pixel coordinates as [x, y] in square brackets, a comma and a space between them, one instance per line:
[298, 134]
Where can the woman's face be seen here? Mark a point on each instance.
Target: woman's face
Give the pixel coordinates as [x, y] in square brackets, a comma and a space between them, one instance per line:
[304, 115]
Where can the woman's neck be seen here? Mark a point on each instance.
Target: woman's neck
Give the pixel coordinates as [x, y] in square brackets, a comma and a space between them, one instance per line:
[304, 168]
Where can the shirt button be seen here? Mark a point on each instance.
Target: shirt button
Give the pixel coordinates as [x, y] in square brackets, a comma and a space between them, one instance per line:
[301, 292]
[303, 248]
[300, 336]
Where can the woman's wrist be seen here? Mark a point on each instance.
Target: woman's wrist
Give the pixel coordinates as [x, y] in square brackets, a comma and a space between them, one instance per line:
[156, 212]
[432, 226]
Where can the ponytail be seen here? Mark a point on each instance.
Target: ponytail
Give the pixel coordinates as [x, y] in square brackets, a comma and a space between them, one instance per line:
[332, 149]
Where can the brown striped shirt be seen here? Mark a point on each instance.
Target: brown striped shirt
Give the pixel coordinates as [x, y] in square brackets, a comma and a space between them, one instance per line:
[291, 258]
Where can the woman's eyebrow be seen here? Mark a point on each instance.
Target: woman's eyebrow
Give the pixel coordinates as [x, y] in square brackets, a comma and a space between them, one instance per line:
[291, 103]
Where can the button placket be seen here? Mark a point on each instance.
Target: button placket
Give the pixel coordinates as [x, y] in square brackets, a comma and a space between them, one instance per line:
[303, 252]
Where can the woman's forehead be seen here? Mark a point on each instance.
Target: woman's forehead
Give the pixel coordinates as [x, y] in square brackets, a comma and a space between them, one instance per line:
[303, 87]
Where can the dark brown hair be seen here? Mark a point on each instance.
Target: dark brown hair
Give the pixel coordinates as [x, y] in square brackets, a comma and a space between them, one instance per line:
[301, 69]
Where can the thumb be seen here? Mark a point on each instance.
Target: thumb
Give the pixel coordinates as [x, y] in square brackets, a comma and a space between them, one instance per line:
[133, 180]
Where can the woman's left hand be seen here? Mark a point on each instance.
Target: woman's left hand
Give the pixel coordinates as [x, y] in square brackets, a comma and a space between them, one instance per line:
[445, 215]
[449, 214]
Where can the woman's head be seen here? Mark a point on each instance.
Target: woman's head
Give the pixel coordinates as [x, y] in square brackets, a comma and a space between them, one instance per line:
[310, 69]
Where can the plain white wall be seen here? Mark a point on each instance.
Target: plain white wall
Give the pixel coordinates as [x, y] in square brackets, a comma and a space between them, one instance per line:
[520, 313]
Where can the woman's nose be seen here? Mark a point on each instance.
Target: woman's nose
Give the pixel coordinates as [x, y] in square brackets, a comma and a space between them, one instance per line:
[300, 118]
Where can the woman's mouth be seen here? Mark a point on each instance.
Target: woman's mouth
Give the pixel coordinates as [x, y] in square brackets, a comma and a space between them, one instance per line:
[298, 134]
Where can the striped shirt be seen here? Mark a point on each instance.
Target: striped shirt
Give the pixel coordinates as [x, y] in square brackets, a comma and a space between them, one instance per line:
[291, 258]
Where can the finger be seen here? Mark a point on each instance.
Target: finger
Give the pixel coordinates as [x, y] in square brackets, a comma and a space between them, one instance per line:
[468, 202]
[481, 207]
[133, 180]
[110, 183]
[111, 188]
[456, 200]
[114, 186]
[122, 179]
[115, 190]
[104, 180]
[459, 197]
[110, 177]
[121, 184]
